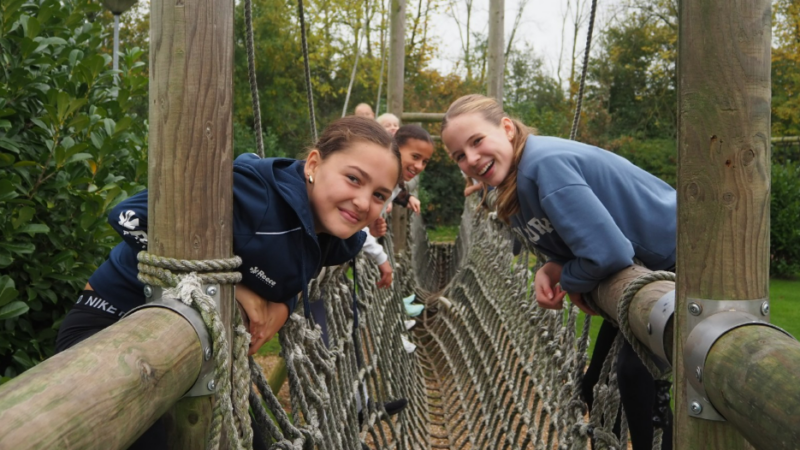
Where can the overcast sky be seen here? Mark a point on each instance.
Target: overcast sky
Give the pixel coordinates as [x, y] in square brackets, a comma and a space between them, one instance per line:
[541, 27]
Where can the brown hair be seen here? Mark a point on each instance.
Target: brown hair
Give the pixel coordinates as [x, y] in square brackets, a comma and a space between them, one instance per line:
[344, 132]
[490, 110]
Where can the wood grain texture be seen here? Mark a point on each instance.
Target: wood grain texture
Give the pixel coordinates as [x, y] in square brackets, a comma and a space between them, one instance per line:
[107, 390]
[496, 63]
[751, 378]
[723, 175]
[397, 58]
[191, 154]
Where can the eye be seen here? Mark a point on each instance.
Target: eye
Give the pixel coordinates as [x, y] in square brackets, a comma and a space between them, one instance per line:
[458, 157]
[380, 196]
[477, 141]
[353, 179]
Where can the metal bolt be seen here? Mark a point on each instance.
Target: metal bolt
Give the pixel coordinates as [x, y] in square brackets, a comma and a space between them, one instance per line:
[698, 372]
[148, 291]
[696, 408]
[649, 328]
[211, 290]
[765, 308]
[212, 385]
[208, 353]
[695, 309]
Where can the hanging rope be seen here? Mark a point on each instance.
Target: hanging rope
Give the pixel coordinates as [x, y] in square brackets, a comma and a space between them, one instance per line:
[576, 119]
[359, 41]
[383, 60]
[251, 69]
[307, 69]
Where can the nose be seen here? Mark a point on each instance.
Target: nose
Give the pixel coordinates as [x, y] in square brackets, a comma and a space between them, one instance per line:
[419, 166]
[472, 157]
[361, 201]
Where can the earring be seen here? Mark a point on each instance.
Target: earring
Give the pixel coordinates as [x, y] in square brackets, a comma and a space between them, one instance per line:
[311, 179]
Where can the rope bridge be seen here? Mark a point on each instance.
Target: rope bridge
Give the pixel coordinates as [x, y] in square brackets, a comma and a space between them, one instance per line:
[492, 370]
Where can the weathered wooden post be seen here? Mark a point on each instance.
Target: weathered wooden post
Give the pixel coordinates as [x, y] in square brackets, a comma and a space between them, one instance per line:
[190, 160]
[496, 59]
[394, 89]
[723, 180]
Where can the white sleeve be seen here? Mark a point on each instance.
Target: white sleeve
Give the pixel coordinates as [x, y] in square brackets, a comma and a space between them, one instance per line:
[374, 250]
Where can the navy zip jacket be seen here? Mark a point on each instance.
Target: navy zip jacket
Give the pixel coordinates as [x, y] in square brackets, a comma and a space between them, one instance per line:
[273, 233]
[593, 211]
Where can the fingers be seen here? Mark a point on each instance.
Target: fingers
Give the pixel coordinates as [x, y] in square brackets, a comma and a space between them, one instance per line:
[577, 299]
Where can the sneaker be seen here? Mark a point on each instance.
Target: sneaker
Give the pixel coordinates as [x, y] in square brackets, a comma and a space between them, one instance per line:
[409, 299]
[414, 310]
[409, 324]
[408, 345]
[395, 406]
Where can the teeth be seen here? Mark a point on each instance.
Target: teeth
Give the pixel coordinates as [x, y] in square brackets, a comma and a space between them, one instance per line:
[485, 168]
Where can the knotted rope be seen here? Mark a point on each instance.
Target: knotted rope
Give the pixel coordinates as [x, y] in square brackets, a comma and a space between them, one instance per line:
[183, 280]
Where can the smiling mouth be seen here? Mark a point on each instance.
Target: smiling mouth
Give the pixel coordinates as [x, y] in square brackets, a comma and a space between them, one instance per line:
[486, 168]
[349, 216]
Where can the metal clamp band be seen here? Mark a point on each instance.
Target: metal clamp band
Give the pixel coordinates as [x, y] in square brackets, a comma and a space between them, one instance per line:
[205, 384]
[662, 311]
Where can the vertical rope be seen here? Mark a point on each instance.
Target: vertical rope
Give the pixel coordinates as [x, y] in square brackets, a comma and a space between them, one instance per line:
[251, 69]
[579, 103]
[307, 70]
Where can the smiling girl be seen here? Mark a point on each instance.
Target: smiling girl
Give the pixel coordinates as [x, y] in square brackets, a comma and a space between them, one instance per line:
[590, 211]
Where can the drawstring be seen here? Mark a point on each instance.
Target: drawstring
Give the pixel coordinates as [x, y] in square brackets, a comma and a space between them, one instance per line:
[356, 340]
[306, 303]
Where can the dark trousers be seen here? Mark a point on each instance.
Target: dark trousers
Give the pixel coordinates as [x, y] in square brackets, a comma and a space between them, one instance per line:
[636, 388]
[80, 324]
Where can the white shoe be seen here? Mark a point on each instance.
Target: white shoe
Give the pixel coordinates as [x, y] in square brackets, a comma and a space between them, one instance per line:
[408, 345]
[409, 324]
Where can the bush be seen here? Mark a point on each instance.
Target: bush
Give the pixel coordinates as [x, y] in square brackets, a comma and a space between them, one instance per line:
[69, 151]
[441, 190]
[657, 156]
[784, 245]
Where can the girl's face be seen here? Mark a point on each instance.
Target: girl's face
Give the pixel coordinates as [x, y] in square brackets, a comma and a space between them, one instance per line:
[414, 157]
[390, 124]
[350, 187]
[481, 149]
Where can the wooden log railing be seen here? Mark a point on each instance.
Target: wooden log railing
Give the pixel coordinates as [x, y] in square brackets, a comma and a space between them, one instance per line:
[750, 372]
[106, 391]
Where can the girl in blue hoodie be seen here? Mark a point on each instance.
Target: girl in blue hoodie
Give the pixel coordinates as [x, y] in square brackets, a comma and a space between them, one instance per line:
[590, 211]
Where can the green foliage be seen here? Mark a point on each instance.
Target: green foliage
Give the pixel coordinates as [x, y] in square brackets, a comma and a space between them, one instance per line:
[69, 150]
[784, 216]
[785, 73]
[441, 191]
[657, 156]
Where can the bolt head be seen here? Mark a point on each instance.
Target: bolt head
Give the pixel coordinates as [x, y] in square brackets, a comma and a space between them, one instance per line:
[148, 291]
[649, 328]
[765, 308]
[695, 309]
[208, 353]
[212, 385]
[696, 408]
[211, 290]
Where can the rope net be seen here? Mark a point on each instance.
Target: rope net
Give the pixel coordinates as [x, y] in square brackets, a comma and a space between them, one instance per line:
[492, 370]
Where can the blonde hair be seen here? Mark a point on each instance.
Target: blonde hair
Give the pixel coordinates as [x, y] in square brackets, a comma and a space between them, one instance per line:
[507, 200]
[387, 116]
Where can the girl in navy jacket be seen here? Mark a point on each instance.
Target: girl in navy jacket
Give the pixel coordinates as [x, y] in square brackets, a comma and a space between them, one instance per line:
[590, 211]
[290, 219]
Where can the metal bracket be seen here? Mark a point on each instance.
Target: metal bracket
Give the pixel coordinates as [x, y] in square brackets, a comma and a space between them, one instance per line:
[708, 320]
[205, 384]
[662, 311]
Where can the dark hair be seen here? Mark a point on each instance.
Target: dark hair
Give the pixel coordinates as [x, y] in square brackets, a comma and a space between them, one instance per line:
[344, 132]
[507, 200]
[407, 132]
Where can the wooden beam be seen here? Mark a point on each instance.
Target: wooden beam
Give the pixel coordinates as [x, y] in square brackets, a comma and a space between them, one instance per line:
[106, 391]
[723, 176]
[394, 88]
[191, 151]
[421, 117]
[496, 59]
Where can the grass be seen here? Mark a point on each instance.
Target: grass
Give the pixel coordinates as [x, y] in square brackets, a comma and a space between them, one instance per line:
[443, 233]
[271, 347]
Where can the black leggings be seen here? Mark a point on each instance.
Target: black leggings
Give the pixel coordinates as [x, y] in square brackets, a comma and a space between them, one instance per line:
[80, 324]
[636, 388]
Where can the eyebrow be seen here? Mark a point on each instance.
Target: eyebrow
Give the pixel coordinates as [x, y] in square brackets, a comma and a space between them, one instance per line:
[366, 176]
[468, 139]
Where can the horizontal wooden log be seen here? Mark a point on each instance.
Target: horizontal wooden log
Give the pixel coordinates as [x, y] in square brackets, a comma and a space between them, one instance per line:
[789, 139]
[422, 117]
[106, 391]
[751, 379]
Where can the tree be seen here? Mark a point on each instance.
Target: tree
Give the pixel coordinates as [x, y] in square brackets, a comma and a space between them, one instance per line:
[70, 149]
[785, 73]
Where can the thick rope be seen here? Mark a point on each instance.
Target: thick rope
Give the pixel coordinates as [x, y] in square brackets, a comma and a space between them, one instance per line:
[307, 70]
[576, 119]
[251, 70]
[359, 41]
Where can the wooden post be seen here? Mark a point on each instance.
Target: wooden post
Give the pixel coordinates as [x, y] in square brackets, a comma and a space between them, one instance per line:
[106, 391]
[723, 176]
[191, 149]
[394, 88]
[496, 59]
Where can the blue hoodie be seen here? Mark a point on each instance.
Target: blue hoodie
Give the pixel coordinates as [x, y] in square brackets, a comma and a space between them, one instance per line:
[593, 211]
[273, 233]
